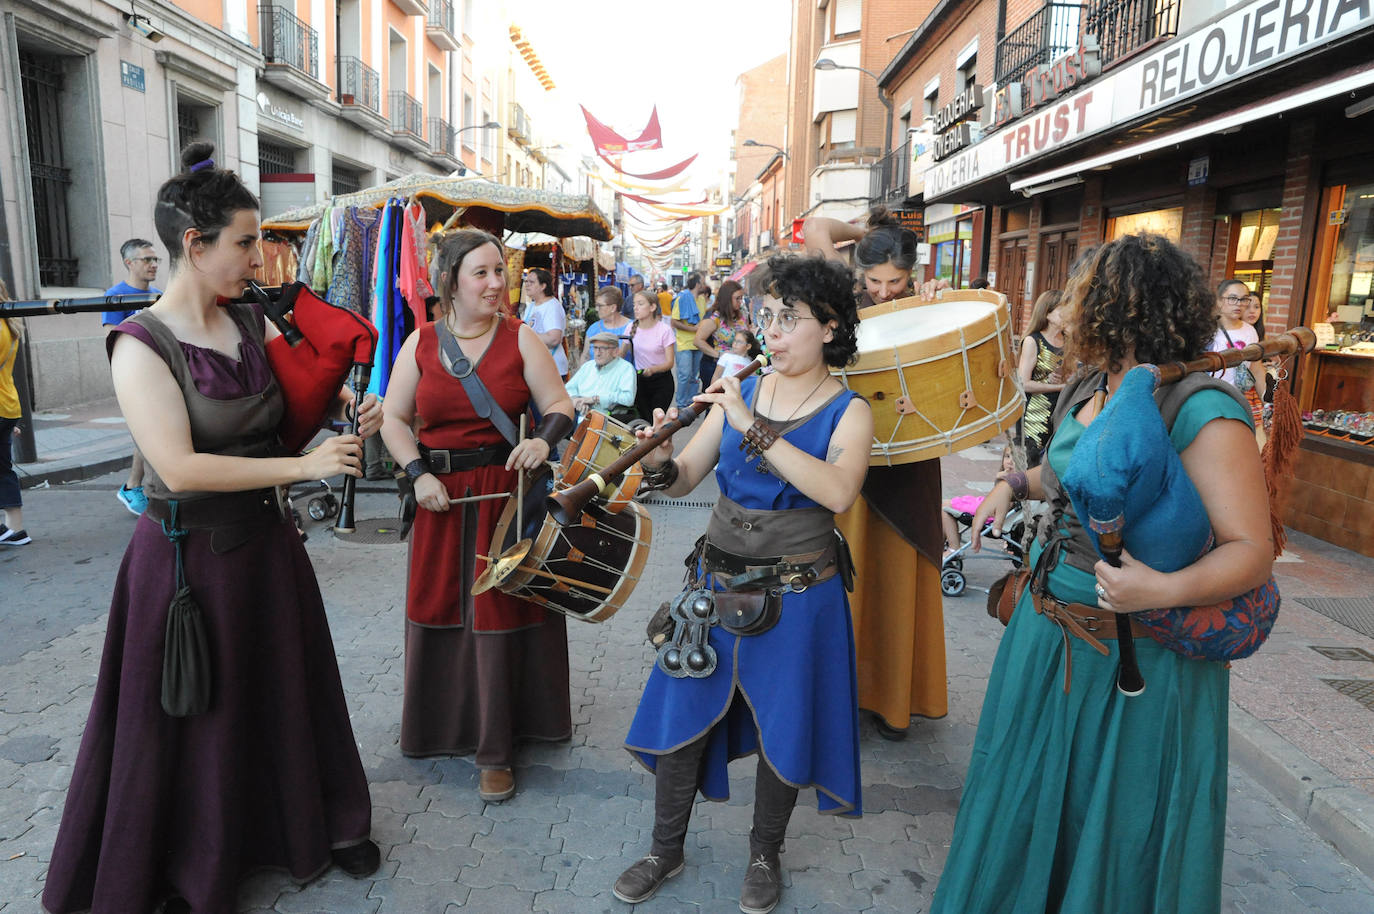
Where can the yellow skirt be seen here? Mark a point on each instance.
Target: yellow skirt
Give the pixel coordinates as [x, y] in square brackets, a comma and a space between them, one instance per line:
[899, 624]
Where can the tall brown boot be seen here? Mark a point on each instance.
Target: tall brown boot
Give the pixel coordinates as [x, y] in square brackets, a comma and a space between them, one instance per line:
[675, 791]
[773, 805]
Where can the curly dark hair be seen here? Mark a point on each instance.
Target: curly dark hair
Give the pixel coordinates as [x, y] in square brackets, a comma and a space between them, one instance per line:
[1138, 296]
[204, 199]
[827, 288]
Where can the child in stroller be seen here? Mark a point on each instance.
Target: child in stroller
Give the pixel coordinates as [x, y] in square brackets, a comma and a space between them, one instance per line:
[957, 520]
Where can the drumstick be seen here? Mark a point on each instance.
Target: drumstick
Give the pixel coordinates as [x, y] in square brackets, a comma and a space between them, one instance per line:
[520, 488]
[539, 572]
[465, 500]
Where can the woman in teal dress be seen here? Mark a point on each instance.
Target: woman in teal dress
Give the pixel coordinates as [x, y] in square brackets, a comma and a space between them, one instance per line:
[1080, 799]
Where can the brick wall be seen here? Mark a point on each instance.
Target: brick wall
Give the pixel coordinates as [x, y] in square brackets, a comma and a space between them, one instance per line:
[1288, 285]
[762, 117]
[1199, 205]
[1092, 223]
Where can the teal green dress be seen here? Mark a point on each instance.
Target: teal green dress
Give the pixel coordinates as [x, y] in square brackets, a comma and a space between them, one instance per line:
[1093, 802]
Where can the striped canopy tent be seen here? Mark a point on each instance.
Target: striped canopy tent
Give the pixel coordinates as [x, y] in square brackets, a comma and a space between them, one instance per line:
[473, 201]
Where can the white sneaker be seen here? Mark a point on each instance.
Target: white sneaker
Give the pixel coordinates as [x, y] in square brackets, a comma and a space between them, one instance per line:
[10, 537]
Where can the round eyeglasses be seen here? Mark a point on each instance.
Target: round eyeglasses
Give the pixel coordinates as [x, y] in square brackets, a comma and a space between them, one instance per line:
[787, 319]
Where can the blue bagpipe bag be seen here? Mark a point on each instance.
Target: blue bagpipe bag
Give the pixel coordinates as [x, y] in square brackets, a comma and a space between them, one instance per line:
[1125, 476]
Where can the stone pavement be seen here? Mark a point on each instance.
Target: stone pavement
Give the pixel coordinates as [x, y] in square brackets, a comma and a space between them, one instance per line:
[584, 808]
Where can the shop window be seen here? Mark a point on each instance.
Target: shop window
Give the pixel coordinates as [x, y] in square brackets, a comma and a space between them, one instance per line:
[951, 243]
[1252, 249]
[1338, 395]
[346, 180]
[1016, 219]
[1166, 222]
[967, 74]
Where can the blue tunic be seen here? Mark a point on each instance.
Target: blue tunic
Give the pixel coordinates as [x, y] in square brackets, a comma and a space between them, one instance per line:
[797, 679]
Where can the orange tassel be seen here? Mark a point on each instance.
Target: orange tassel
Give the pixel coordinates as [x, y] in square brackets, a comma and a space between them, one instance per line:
[1279, 455]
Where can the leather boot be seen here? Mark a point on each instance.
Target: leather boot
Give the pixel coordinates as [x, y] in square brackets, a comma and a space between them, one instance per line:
[675, 791]
[773, 805]
[496, 784]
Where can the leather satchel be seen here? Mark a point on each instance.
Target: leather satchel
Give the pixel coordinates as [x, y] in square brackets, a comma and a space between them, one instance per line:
[1004, 593]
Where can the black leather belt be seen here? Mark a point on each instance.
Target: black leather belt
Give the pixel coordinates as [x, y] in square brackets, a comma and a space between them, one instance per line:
[227, 510]
[442, 461]
[751, 572]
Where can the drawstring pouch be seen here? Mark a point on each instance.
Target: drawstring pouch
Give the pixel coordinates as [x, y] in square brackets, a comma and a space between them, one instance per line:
[186, 651]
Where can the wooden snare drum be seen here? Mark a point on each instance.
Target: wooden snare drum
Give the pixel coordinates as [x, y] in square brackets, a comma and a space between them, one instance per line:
[940, 377]
[585, 570]
[598, 441]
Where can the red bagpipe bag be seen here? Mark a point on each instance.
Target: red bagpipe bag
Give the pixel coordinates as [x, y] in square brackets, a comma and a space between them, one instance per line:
[1125, 476]
[319, 345]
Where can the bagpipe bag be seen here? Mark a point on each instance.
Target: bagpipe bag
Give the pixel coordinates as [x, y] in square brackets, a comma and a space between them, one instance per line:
[1125, 476]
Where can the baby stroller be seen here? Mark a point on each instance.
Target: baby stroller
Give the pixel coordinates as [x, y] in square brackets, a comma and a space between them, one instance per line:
[952, 580]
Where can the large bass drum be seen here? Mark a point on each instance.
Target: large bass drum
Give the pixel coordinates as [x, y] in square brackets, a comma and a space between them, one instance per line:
[586, 570]
[598, 441]
[940, 377]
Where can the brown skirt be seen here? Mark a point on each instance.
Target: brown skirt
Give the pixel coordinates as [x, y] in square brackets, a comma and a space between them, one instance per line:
[467, 692]
[899, 628]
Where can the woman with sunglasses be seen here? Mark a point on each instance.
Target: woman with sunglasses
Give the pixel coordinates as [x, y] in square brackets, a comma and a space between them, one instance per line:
[789, 451]
[894, 529]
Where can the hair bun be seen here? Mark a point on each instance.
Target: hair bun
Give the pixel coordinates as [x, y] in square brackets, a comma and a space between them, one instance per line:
[195, 153]
[879, 216]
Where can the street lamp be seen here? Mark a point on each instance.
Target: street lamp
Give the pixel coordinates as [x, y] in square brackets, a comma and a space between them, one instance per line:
[825, 63]
[768, 146]
[489, 125]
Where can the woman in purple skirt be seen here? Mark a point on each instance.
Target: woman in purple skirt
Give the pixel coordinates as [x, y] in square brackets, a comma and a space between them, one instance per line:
[175, 798]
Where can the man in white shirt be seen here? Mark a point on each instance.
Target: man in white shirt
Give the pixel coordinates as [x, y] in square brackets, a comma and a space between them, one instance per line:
[1233, 297]
[545, 315]
[606, 383]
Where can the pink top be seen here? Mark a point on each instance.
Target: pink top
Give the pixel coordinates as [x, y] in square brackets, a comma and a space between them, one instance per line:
[650, 344]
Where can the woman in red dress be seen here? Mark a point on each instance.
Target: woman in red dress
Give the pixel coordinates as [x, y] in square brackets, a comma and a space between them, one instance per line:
[481, 672]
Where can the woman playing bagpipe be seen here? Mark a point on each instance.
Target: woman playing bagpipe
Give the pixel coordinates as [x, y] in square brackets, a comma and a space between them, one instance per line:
[894, 530]
[1081, 797]
[483, 671]
[789, 451]
[218, 740]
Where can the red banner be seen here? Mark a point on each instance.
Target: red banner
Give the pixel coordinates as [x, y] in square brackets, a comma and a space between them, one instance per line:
[669, 172]
[607, 141]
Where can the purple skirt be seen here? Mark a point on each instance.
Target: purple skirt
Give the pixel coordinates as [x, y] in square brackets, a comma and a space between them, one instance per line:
[268, 777]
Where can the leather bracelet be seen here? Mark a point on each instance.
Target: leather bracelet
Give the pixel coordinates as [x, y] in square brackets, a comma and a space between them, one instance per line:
[1020, 485]
[656, 479]
[758, 438]
[417, 468]
[554, 428]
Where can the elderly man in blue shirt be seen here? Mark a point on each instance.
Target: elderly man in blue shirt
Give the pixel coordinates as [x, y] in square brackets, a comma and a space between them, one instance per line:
[606, 383]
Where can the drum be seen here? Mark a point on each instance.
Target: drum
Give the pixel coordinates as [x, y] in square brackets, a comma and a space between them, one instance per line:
[585, 570]
[940, 377]
[598, 441]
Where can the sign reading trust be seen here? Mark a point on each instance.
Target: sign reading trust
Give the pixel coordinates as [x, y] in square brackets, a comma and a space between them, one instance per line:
[1246, 38]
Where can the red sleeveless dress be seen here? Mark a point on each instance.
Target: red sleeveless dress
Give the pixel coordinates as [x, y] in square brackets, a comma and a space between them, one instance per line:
[481, 672]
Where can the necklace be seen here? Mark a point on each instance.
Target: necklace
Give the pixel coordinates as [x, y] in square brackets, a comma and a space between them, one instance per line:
[459, 336]
[763, 466]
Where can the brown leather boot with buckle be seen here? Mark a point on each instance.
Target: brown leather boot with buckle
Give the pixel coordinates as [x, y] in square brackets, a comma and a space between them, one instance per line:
[496, 784]
[642, 879]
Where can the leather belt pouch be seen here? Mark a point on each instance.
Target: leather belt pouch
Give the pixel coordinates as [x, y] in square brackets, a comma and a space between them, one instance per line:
[750, 612]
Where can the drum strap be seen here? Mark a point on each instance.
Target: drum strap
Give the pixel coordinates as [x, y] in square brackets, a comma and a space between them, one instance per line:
[465, 370]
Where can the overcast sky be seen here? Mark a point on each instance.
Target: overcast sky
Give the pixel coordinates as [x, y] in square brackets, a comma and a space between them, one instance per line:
[621, 57]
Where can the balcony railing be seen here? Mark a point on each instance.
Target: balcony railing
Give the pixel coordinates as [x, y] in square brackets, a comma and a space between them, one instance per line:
[888, 181]
[359, 84]
[405, 113]
[1051, 31]
[1124, 26]
[441, 15]
[287, 40]
[441, 139]
[1121, 27]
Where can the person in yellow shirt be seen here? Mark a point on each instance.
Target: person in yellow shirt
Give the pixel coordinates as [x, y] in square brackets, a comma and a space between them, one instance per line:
[12, 532]
[686, 315]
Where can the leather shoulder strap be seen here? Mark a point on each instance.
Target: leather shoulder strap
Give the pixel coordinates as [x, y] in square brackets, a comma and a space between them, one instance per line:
[167, 344]
[456, 363]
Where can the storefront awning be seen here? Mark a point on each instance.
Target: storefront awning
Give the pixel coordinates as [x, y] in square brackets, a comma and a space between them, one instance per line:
[743, 271]
[1351, 80]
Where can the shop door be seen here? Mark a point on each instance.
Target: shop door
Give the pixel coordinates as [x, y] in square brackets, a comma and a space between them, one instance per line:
[1011, 277]
[1057, 253]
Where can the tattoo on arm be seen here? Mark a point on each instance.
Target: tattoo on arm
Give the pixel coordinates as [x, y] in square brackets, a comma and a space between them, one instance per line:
[834, 453]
